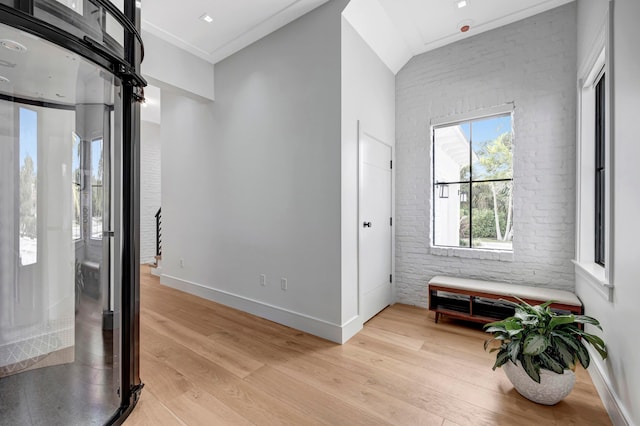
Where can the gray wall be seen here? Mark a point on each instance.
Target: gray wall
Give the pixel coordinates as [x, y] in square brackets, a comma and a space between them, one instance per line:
[619, 375]
[533, 64]
[177, 68]
[251, 183]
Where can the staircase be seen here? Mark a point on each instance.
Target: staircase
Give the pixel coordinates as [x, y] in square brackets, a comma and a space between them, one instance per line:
[157, 267]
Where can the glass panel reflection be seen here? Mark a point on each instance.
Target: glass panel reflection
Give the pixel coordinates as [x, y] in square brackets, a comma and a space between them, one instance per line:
[76, 187]
[75, 5]
[97, 199]
[59, 306]
[28, 186]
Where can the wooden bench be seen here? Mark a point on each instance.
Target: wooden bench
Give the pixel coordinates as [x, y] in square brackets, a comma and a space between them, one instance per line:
[479, 301]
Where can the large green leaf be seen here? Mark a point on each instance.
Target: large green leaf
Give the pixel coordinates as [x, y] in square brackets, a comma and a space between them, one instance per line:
[551, 364]
[570, 339]
[532, 369]
[501, 359]
[566, 355]
[560, 320]
[535, 344]
[597, 343]
[583, 356]
[496, 329]
[514, 351]
[584, 319]
[547, 303]
[525, 317]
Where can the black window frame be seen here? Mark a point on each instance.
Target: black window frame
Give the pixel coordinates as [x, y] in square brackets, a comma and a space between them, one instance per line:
[600, 171]
[436, 184]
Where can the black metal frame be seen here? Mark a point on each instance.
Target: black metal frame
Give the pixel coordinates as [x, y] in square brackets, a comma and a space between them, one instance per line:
[470, 182]
[600, 178]
[159, 232]
[127, 69]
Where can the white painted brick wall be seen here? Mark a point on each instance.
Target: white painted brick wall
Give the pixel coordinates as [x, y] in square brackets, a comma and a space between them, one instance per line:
[149, 188]
[533, 64]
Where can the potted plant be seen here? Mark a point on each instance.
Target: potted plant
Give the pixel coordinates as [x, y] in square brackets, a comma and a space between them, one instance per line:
[539, 350]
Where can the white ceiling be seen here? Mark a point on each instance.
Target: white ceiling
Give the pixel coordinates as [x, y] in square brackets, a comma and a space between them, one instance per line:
[236, 23]
[47, 72]
[396, 29]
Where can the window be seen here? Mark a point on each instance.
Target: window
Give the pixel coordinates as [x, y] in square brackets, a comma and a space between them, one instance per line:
[76, 186]
[473, 183]
[96, 189]
[600, 175]
[593, 185]
[28, 188]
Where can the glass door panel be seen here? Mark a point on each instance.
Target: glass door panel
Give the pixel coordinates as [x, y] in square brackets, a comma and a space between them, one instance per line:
[59, 301]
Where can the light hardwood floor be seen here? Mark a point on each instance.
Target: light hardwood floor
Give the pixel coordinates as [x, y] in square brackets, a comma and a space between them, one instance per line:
[206, 364]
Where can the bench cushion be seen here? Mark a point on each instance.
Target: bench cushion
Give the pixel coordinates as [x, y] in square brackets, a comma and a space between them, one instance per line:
[504, 289]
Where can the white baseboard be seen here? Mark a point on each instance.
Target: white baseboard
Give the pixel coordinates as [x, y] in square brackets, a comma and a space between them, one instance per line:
[616, 410]
[351, 328]
[156, 271]
[317, 327]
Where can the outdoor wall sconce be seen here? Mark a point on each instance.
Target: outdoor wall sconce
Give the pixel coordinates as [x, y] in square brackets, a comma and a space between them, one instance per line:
[444, 190]
[463, 196]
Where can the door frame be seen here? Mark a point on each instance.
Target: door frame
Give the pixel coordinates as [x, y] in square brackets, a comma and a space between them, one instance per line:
[362, 133]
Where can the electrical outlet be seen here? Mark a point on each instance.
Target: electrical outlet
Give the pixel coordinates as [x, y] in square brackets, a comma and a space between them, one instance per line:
[283, 284]
[263, 280]
[181, 263]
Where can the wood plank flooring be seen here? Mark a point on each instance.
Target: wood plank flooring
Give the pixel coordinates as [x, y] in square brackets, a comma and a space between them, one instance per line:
[206, 364]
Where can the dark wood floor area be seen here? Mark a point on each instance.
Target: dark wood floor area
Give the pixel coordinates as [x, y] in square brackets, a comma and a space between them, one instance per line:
[60, 392]
[206, 364]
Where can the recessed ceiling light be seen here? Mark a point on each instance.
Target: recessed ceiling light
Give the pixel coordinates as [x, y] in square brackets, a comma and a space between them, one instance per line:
[462, 3]
[3, 79]
[139, 4]
[13, 45]
[206, 18]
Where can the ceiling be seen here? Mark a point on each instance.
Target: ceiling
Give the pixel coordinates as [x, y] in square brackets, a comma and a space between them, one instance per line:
[45, 72]
[397, 30]
[236, 23]
[417, 26]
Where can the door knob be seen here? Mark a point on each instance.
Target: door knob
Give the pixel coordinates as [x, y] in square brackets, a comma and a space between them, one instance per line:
[367, 224]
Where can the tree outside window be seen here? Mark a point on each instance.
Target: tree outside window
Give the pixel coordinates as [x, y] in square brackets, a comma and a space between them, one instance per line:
[473, 184]
[28, 189]
[97, 198]
[76, 186]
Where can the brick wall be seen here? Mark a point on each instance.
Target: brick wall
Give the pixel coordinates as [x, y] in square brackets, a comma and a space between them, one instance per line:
[149, 189]
[531, 63]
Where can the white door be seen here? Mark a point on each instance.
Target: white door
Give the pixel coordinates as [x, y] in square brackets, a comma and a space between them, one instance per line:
[375, 226]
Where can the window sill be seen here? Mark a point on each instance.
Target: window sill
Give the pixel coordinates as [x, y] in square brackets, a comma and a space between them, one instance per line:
[468, 253]
[595, 276]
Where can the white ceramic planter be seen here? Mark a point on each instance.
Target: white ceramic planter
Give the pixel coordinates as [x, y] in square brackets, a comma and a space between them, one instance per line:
[553, 387]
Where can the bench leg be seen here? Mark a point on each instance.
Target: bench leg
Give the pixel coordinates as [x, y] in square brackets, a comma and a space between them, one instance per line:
[437, 316]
